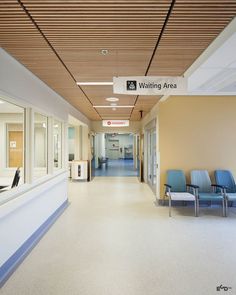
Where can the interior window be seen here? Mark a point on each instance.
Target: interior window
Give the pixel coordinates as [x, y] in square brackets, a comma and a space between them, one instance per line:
[12, 139]
[57, 144]
[40, 145]
[71, 143]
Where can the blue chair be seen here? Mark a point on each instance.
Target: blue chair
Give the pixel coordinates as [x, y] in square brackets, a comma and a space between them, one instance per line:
[225, 178]
[204, 190]
[178, 190]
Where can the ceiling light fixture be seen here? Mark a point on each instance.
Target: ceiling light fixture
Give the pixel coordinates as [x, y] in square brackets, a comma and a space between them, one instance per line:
[112, 99]
[104, 51]
[1, 101]
[94, 83]
[111, 106]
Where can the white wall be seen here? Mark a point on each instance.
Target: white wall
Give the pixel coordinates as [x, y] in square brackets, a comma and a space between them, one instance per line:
[22, 216]
[32, 203]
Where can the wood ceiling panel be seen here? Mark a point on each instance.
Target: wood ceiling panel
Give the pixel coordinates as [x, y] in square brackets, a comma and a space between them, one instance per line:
[92, 65]
[192, 26]
[60, 41]
[78, 30]
[100, 24]
[119, 111]
[135, 116]
[20, 37]
[148, 101]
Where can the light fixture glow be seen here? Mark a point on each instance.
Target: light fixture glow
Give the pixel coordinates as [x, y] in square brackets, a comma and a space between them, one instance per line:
[94, 83]
[1, 101]
[114, 109]
[111, 106]
[112, 99]
[104, 51]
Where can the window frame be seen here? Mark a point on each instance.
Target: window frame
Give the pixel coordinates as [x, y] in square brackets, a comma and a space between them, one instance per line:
[28, 154]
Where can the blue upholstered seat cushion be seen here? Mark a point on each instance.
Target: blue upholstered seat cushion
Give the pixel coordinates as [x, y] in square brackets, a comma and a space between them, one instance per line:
[210, 196]
[231, 196]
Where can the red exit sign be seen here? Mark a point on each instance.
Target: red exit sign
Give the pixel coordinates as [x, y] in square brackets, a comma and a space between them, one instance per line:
[115, 123]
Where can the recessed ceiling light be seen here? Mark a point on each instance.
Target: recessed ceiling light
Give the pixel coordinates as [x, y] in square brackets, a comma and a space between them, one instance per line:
[111, 106]
[94, 83]
[112, 99]
[104, 51]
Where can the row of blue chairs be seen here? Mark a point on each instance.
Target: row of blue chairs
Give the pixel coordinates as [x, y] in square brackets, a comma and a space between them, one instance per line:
[201, 189]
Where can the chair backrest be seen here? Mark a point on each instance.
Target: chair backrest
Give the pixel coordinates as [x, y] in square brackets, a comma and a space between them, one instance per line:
[16, 178]
[225, 177]
[176, 179]
[202, 179]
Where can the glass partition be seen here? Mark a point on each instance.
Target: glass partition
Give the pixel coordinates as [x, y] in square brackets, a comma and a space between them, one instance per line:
[40, 145]
[12, 139]
[71, 144]
[57, 144]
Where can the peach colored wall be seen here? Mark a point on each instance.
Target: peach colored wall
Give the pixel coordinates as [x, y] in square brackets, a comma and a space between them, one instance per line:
[197, 133]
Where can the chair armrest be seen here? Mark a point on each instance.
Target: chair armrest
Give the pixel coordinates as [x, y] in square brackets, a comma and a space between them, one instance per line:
[219, 186]
[168, 188]
[192, 185]
[222, 188]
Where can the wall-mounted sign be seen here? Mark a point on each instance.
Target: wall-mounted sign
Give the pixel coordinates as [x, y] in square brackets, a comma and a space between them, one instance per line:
[150, 85]
[115, 123]
[12, 144]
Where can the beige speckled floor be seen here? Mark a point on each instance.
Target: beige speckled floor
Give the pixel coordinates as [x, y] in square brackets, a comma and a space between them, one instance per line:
[113, 240]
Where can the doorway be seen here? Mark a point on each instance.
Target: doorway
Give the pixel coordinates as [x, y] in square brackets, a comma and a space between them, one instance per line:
[151, 158]
[115, 154]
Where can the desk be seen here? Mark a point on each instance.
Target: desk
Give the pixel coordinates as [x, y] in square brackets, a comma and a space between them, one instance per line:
[5, 181]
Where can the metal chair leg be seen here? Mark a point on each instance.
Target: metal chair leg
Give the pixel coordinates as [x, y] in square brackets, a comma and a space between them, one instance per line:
[195, 208]
[226, 207]
[223, 207]
[198, 206]
[169, 206]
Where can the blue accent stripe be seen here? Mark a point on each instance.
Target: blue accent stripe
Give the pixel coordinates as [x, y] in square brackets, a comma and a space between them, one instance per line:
[15, 260]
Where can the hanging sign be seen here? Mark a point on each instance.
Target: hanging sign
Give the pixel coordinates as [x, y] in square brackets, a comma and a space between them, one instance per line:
[115, 123]
[150, 85]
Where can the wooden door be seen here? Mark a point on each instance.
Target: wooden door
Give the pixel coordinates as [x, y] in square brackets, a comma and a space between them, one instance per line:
[15, 148]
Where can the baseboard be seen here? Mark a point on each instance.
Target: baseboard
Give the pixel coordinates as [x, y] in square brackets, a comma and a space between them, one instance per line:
[15, 260]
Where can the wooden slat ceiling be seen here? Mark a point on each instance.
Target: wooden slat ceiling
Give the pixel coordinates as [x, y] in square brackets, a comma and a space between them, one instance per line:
[61, 41]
